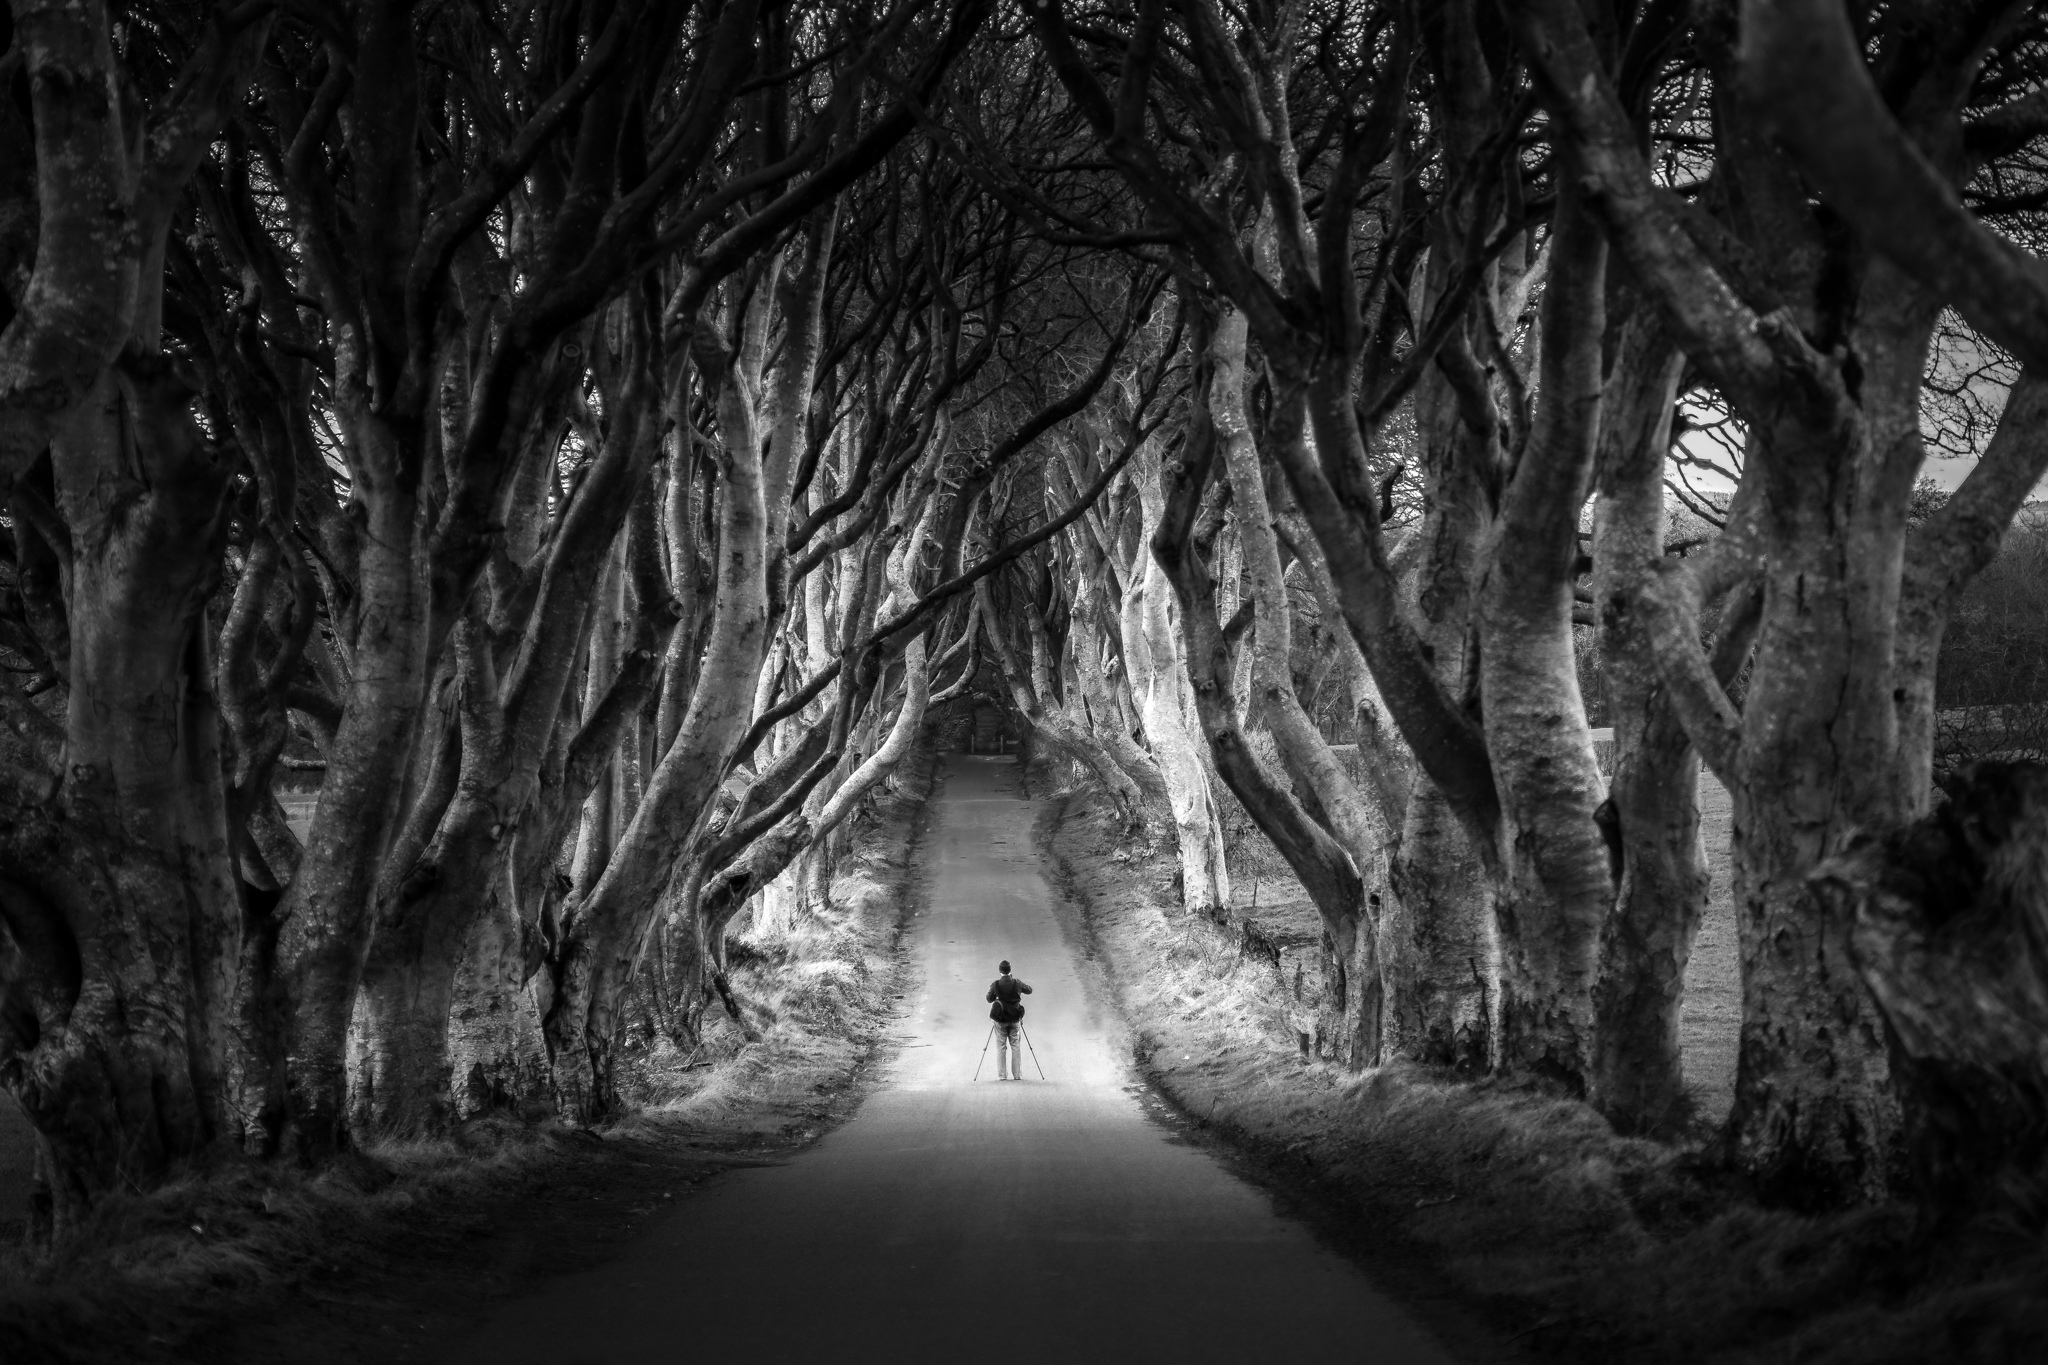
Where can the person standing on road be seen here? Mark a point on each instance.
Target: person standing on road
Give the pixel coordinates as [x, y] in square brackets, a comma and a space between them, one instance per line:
[1006, 1006]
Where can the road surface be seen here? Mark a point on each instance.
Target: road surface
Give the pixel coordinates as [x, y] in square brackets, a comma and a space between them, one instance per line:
[957, 1221]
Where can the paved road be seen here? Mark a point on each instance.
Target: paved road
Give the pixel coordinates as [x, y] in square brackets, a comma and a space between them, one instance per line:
[951, 1221]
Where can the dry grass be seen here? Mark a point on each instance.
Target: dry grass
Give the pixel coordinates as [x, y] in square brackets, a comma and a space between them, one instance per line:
[144, 1276]
[1521, 1208]
[1711, 1020]
[815, 998]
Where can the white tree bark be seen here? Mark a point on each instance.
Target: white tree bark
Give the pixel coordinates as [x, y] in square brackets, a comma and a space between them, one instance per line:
[1158, 672]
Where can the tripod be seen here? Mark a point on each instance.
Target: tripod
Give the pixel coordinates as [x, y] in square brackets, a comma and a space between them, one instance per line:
[991, 1038]
[1034, 1052]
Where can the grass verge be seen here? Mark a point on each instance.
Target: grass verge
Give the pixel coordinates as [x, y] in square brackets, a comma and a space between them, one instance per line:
[385, 1251]
[815, 996]
[1498, 1204]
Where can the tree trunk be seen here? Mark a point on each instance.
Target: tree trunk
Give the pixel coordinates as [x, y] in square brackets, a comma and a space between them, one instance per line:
[1095, 623]
[1557, 886]
[118, 895]
[1049, 722]
[767, 857]
[1182, 546]
[1950, 935]
[1308, 760]
[1834, 447]
[1815, 1119]
[1159, 681]
[401, 1072]
[1652, 812]
[598, 828]
[1438, 950]
[327, 914]
[437, 904]
[1151, 647]
[495, 1056]
[120, 908]
[604, 932]
[1944, 555]
[1388, 765]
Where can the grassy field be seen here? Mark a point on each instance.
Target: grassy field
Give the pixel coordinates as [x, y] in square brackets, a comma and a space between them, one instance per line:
[1712, 1014]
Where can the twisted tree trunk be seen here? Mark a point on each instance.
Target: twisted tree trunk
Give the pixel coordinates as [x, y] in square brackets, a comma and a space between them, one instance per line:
[1159, 680]
[327, 914]
[1950, 936]
[604, 932]
[1652, 811]
[1556, 883]
[1351, 948]
[120, 907]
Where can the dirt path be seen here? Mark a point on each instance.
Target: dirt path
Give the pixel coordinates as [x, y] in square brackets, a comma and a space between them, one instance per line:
[1049, 1220]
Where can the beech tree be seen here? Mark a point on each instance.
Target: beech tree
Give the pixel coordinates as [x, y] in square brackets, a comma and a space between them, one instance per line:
[121, 911]
[1576, 903]
[451, 288]
[1498, 963]
[1826, 369]
[595, 438]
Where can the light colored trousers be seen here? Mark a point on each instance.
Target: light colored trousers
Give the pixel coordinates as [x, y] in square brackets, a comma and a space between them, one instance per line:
[1009, 1053]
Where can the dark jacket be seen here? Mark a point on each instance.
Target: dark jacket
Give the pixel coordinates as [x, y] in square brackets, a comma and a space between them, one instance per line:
[1005, 993]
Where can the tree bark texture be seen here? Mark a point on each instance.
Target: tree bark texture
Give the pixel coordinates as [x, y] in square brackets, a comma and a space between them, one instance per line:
[122, 903]
[1652, 815]
[1557, 886]
[1183, 546]
[1052, 718]
[1159, 680]
[121, 910]
[1302, 751]
[327, 914]
[604, 932]
[1950, 935]
[1828, 382]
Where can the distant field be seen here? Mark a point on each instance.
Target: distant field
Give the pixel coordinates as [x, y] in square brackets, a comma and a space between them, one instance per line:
[1713, 979]
[298, 810]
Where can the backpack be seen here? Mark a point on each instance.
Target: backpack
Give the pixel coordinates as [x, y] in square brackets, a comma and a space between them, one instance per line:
[1009, 1005]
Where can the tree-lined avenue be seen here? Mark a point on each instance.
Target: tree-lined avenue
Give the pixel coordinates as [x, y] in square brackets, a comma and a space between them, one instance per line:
[1044, 1221]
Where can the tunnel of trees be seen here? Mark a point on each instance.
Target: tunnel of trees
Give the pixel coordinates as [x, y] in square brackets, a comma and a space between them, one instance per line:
[492, 488]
